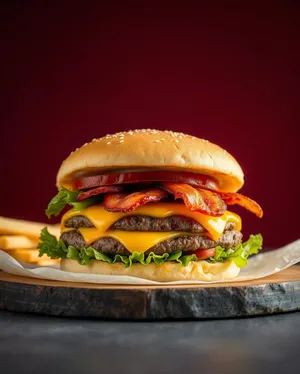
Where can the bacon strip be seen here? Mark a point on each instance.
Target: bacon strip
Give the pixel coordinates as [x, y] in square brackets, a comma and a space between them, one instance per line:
[195, 198]
[198, 200]
[128, 202]
[231, 198]
[99, 190]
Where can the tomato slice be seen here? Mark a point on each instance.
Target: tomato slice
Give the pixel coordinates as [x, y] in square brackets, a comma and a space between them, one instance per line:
[203, 254]
[145, 176]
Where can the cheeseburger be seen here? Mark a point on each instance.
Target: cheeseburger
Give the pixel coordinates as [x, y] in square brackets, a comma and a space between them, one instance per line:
[151, 204]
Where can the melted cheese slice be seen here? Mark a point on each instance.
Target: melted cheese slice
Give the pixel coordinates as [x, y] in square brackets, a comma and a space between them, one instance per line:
[142, 241]
[133, 241]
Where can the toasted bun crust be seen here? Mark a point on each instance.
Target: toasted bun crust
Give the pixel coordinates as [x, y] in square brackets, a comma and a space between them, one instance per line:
[152, 149]
[167, 272]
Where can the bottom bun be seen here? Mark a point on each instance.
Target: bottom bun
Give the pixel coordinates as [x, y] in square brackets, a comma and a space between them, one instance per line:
[167, 272]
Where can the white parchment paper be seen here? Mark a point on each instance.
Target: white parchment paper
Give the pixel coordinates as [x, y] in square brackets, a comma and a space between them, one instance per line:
[259, 266]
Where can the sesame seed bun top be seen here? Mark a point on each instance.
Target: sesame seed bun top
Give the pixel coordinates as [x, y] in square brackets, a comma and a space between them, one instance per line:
[152, 150]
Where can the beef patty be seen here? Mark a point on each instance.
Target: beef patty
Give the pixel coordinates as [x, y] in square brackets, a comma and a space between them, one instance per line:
[146, 223]
[111, 246]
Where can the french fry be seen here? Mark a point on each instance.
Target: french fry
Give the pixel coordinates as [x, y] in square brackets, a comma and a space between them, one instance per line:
[19, 238]
[17, 241]
[31, 256]
[30, 229]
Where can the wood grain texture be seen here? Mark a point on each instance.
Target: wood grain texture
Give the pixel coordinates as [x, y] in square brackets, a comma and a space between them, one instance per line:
[275, 294]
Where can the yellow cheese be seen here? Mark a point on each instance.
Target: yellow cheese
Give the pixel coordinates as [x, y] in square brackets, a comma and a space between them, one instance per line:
[133, 241]
[141, 241]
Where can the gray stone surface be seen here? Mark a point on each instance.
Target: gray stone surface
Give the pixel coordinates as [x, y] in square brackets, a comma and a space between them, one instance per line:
[38, 344]
[151, 303]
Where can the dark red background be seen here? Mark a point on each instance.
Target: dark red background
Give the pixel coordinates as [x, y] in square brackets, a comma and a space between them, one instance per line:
[229, 74]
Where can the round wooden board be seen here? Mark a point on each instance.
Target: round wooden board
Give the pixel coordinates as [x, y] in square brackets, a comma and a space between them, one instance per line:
[275, 294]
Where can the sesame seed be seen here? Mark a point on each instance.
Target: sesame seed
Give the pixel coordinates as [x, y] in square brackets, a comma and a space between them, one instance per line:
[156, 141]
[121, 141]
[176, 140]
[108, 143]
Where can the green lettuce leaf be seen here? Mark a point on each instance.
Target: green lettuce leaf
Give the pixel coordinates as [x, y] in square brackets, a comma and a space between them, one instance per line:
[240, 253]
[59, 201]
[57, 249]
[65, 197]
[50, 246]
